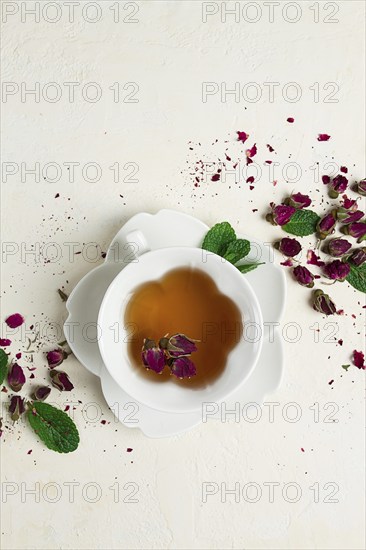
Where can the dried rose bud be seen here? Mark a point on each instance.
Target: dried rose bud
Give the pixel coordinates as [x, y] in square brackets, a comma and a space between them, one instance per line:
[280, 214]
[361, 187]
[299, 201]
[152, 356]
[288, 247]
[338, 247]
[182, 367]
[349, 204]
[337, 185]
[16, 407]
[41, 393]
[359, 256]
[337, 270]
[56, 357]
[179, 345]
[326, 225]
[61, 380]
[303, 276]
[16, 377]
[323, 303]
[356, 230]
[345, 216]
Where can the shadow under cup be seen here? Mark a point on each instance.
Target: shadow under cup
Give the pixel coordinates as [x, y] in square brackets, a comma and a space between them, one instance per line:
[214, 304]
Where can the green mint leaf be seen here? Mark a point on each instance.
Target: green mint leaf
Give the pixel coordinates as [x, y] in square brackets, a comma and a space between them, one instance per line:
[237, 250]
[346, 367]
[302, 223]
[245, 268]
[357, 277]
[54, 427]
[218, 238]
[3, 365]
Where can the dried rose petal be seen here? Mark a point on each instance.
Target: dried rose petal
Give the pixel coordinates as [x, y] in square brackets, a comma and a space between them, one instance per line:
[361, 187]
[359, 256]
[252, 152]
[41, 393]
[313, 259]
[338, 247]
[337, 270]
[326, 225]
[323, 303]
[290, 119]
[287, 263]
[4, 342]
[280, 214]
[325, 180]
[359, 359]
[56, 357]
[323, 137]
[337, 185]
[179, 345]
[356, 230]
[61, 380]
[14, 320]
[16, 377]
[183, 368]
[16, 407]
[299, 201]
[288, 247]
[242, 136]
[303, 276]
[270, 148]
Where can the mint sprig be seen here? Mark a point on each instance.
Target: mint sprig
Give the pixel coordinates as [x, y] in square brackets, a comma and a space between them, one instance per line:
[302, 223]
[357, 277]
[54, 427]
[3, 365]
[221, 240]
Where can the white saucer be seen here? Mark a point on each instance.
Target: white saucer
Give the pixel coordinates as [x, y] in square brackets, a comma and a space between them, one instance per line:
[170, 228]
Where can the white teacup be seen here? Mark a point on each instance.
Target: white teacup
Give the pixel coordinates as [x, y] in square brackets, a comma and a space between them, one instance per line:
[114, 336]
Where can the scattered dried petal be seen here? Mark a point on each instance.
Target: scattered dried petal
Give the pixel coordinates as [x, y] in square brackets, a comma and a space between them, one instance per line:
[14, 320]
[359, 359]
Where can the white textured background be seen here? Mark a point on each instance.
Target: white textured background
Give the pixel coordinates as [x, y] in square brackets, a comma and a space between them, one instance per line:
[168, 53]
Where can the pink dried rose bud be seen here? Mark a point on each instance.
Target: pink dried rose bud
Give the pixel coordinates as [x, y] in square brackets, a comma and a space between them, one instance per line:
[178, 345]
[337, 270]
[361, 187]
[356, 230]
[337, 185]
[61, 380]
[358, 257]
[338, 247]
[280, 214]
[56, 357]
[182, 367]
[152, 356]
[288, 247]
[14, 320]
[327, 225]
[303, 276]
[16, 407]
[349, 204]
[41, 393]
[299, 201]
[349, 217]
[16, 377]
[323, 303]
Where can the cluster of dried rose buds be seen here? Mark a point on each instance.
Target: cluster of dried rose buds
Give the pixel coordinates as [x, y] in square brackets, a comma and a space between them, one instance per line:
[339, 248]
[173, 352]
[16, 380]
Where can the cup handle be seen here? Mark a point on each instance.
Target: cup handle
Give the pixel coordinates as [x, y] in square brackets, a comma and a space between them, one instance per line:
[135, 246]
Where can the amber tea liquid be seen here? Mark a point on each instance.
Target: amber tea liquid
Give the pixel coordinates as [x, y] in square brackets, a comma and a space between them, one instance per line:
[184, 301]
